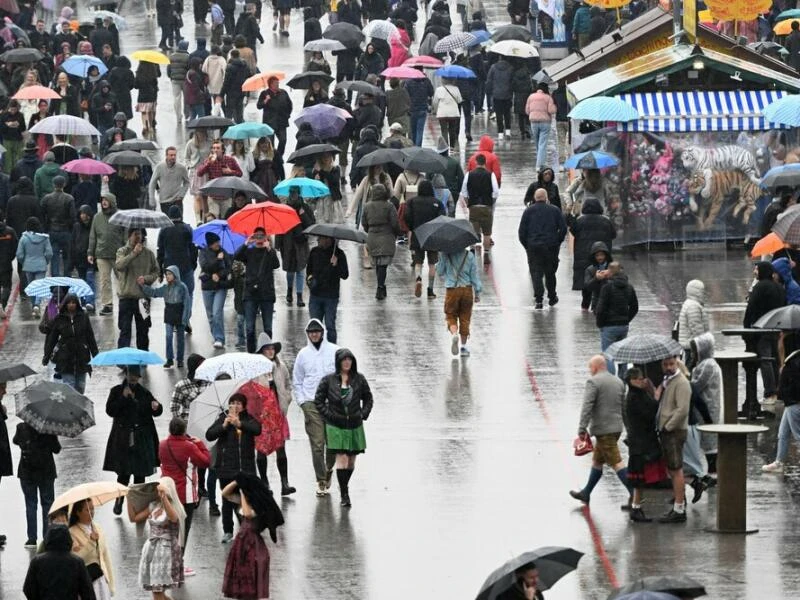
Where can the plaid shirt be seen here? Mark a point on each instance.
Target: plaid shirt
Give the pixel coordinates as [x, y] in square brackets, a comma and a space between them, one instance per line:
[213, 168]
[185, 391]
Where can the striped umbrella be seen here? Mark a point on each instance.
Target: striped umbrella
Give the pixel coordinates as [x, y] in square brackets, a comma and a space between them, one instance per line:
[40, 288]
[785, 111]
[62, 125]
[602, 108]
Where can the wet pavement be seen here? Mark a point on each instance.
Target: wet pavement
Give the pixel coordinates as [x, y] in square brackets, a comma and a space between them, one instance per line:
[469, 460]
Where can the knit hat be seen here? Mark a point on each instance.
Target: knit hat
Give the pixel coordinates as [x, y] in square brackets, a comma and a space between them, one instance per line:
[175, 213]
[49, 157]
[397, 127]
[441, 146]
[211, 238]
[120, 116]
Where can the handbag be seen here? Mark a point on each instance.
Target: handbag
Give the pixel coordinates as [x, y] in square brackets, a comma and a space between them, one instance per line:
[95, 571]
[583, 445]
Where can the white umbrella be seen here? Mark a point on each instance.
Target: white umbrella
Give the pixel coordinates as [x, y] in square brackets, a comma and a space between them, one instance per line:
[62, 125]
[514, 48]
[239, 365]
[213, 400]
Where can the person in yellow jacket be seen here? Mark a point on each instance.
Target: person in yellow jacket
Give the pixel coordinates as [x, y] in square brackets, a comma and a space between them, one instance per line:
[89, 543]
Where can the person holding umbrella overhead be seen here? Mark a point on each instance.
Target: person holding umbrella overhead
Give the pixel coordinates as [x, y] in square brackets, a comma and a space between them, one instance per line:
[215, 166]
[215, 279]
[526, 585]
[90, 543]
[327, 267]
[6, 466]
[423, 208]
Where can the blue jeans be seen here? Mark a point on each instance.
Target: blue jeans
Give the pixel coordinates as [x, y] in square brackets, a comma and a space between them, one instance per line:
[187, 277]
[180, 334]
[790, 426]
[87, 274]
[197, 110]
[694, 460]
[214, 301]
[251, 308]
[540, 133]
[324, 309]
[77, 381]
[608, 335]
[30, 277]
[240, 339]
[61, 241]
[46, 494]
[418, 126]
[294, 280]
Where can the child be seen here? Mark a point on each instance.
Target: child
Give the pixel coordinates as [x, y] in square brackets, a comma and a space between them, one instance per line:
[34, 253]
[238, 302]
[176, 310]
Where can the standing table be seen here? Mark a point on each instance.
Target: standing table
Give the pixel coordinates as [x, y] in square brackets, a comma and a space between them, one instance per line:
[732, 476]
[728, 361]
[751, 409]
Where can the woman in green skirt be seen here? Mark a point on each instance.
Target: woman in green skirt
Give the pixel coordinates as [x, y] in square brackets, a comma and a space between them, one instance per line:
[344, 400]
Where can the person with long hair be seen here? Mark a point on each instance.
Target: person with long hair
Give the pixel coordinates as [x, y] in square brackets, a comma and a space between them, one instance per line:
[263, 173]
[43, 141]
[90, 544]
[196, 151]
[382, 226]
[316, 94]
[29, 107]
[328, 208]
[67, 103]
[243, 157]
[146, 81]
[126, 185]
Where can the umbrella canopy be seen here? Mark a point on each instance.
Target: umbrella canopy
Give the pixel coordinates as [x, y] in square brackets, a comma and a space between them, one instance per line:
[792, 13]
[403, 73]
[245, 131]
[481, 37]
[62, 125]
[10, 6]
[12, 371]
[428, 62]
[602, 108]
[36, 92]
[239, 365]
[682, 586]
[140, 218]
[135, 144]
[21, 55]
[303, 81]
[762, 47]
[210, 123]
[206, 408]
[422, 160]
[512, 32]
[259, 81]
[643, 348]
[381, 156]
[514, 48]
[55, 408]
[79, 65]
[594, 140]
[769, 244]
[18, 32]
[784, 27]
[126, 158]
[785, 111]
[446, 234]
[346, 33]
[312, 150]
[380, 29]
[227, 187]
[552, 562]
[119, 20]
[788, 225]
[785, 317]
[338, 232]
[362, 87]
[647, 595]
[455, 42]
[40, 288]
[64, 152]
[126, 356]
[99, 492]
[326, 121]
[228, 239]
[88, 166]
[591, 160]
[309, 188]
[275, 218]
[455, 72]
[784, 175]
[150, 56]
[323, 45]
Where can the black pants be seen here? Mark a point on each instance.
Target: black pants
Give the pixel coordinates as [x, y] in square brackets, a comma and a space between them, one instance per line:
[586, 298]
[230, 28]
[169, 34]
[187, 524]
[128, 313]
[283, 465]
[543, 263]
[5, 288]
[234, 108]
[227, 509]
[200, 10]
[380, 272]
[502, 110]
[280, 133]
[466, 110]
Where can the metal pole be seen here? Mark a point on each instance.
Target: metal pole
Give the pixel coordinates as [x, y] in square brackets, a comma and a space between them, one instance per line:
[677, 20]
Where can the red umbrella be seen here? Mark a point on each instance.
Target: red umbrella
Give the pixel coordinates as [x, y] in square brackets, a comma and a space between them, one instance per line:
[428, 62]
[262, 403]
[273, 217]
[88, 166]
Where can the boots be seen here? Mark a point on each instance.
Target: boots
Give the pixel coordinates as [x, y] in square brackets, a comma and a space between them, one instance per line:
[300, 303]
[289, 297]
[286, 489]
[118, 506]
[343, 475]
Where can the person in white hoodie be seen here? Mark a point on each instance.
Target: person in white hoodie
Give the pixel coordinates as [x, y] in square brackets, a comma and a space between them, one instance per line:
[314, 362]
[214, 66]
[693, 319]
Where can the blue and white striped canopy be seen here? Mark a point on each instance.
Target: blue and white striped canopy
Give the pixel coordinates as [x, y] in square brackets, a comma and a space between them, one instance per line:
[700, 111]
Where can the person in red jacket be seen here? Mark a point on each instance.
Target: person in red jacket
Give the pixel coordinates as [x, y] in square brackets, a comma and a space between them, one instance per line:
[181, 457]
[486, 147]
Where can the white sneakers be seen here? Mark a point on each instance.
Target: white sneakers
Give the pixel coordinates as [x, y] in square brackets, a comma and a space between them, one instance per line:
[769, 400]
[322, 489]
[218, 344]
[508, 133]
[775, 467]
[500, 135]
[36, 312]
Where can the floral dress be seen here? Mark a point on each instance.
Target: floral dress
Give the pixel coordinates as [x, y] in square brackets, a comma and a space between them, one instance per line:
[161, 565]
[247, 568]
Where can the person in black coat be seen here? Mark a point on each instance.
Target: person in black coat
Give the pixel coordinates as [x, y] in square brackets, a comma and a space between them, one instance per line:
[70, 344]
[236, 73]
[420, 209]
[592, 226]
[546, 181]
[326, 268]
[57, 572]
[312, 30]
[260, 260]
[8, 251]
[22, 205]
[349, 11]
[368, 142]
[122, 81]
[248, 26]
[235, 432]
[6, 465]
[132, 448]
[276, 107]
[344, 401]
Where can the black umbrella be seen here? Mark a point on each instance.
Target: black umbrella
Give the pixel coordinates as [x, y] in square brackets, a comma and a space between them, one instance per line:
[593, 140]
[227, 187]
[126, 158]
[135, 144]
[346, 33]
[446, 234]
[682, 586]
[312, 150]
[542, 77]
[381, 156]
[552, 562]
[338, 232]
[786, 318]
[362, 87]
[12, 371]
[512, 32]
[64, 153]
[303, 81]
[422, 160]
[210, 123]
[55, 408]
[21, 55]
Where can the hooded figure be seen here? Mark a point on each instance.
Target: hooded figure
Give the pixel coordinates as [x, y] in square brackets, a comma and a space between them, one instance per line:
[70, 343]
[176, 299]
[547, 181]
[783, 268]
[591, 227]
[766, 295]
[34, 251]
[56, 572]
[693, 318]
[103, 107]
[122, 81]
[486, 147]
[707, 383]
[367, 142]
[591, 283]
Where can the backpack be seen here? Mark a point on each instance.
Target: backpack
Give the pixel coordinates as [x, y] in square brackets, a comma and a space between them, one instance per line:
[217, 16]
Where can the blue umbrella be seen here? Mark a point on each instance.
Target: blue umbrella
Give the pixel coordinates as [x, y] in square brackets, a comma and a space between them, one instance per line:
[793, 13]
[41, 287]
[785, 111]
[228, 239]
[591, 160]
[481, 37]
[309, 188]
[126, 356]
[79, 65]
[603, 108]
[456, 72]
[244, 131]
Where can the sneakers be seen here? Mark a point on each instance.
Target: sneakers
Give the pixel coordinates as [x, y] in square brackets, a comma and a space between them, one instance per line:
[464, 351]
[579, 495]
[168, 364]
[322, 489]
[500, 135]
[30, 544]
[227, 538]
[508, 133]
[454, 345]
[637, 516]
[775, 467]
[89, 307]
[431, 295]
[241, 347]
[213, 510]
[769, 400]
[106, 310]
[539, 305]
[218, 344]
[553, 301]
[188, 572]
[418, 287]
[673, 517]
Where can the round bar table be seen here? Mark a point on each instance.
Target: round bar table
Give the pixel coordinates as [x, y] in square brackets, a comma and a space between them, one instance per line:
[728, 361]
[751, 408]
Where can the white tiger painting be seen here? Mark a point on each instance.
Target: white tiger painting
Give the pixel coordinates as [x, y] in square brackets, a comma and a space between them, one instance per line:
[721, 158]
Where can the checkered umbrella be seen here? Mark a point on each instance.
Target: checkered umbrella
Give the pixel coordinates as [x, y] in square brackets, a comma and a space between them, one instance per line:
[55, 408]
[455, 42]
[140, 218]
[787, 227]
[643, 349]
[380, 29]
[62, 125]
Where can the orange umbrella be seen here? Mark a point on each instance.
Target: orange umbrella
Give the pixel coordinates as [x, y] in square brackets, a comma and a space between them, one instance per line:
[769, 244]
[784, 27]
[36, 92]
[259, 81]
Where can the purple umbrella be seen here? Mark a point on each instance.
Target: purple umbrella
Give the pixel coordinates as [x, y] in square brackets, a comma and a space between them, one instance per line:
[88, 166]
[327, 121]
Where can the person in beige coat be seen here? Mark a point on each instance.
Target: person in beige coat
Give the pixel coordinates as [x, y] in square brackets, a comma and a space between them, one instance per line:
[90, 544]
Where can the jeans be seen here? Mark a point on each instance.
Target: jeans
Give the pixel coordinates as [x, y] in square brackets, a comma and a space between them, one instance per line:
[214, 301]
[87, 274]
[129, 311]
[197, 110]
[240, 339]
[417, 126]
[77, 381]
[790, 426]
[61, 241]
[46, 493]
[187, 277]
[540, 133]
[543, 264]
[30, 277]
[294, 281]
[502, 110]
[324, 309]
[181, 336]
[693, 457]
[315, 428]
[251, 308]
[769, 367]
[608, 335]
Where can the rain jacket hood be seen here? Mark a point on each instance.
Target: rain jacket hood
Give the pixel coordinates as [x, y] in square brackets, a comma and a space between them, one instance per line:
[341, 354]
[112, 203]
[67, 299]
[784, 269]
[599, 247]
[696, 290]
[704, 345]
[35, 238]
[764, 269]
[486, 144]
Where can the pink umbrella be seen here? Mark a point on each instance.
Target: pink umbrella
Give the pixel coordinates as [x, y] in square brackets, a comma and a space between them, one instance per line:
[429, 62]
[36, 92]
[88, 166]
[403, 73]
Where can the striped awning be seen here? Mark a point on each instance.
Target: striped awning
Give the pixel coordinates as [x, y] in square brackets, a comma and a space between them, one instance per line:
[700, 111]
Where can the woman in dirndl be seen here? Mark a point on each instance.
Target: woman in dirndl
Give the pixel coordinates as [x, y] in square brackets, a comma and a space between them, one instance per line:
[161, 565]
[345, 401]
[196, 151]
[645, 465]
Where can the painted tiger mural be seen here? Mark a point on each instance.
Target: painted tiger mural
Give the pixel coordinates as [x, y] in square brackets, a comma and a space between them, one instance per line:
[715, 186]
[721, 158]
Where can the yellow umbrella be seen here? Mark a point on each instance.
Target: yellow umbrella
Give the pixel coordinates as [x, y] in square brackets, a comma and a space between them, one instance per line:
[99, 492]
[704, 16]
[785, 27]
[609, 4]
[151, 56]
